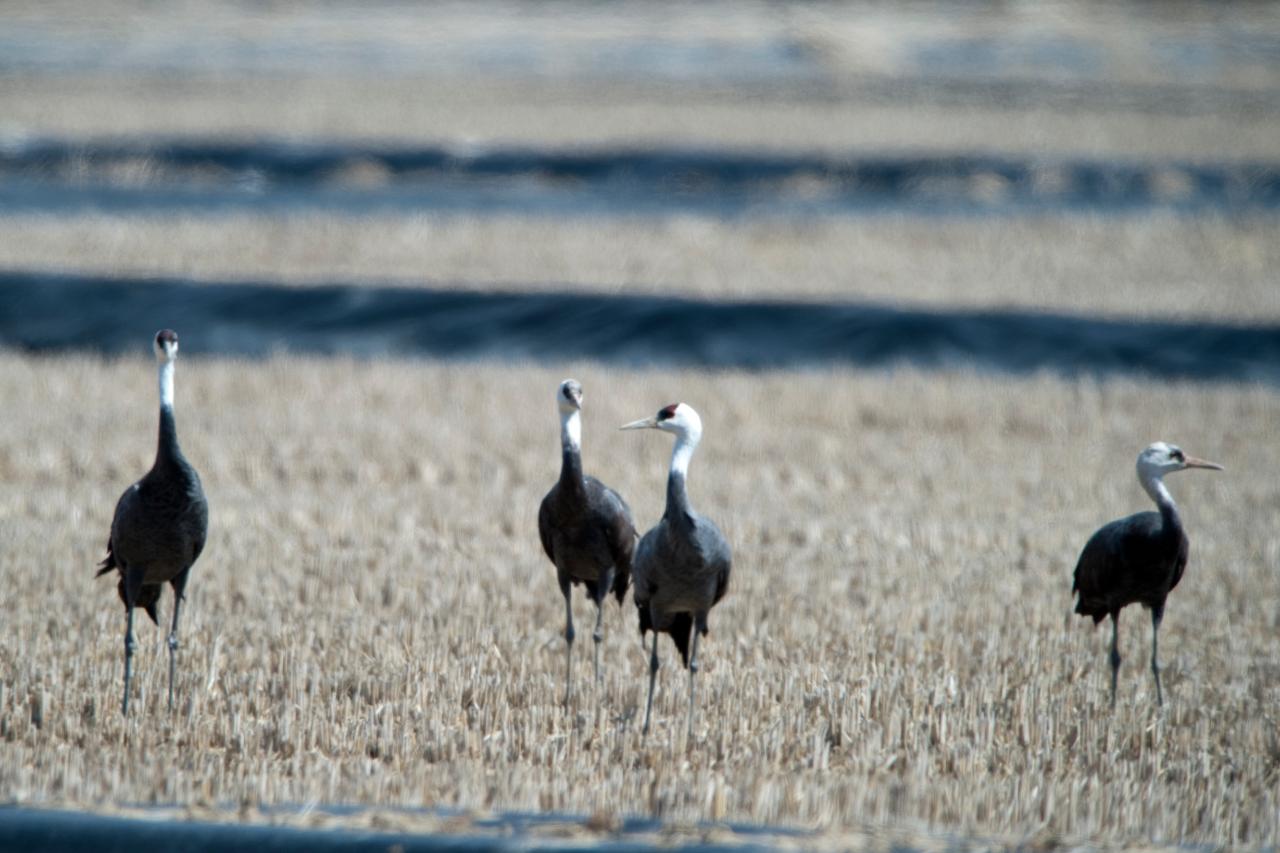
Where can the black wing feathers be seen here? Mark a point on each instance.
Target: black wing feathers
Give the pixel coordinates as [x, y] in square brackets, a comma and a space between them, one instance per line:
[1137, 559]
[593, 526]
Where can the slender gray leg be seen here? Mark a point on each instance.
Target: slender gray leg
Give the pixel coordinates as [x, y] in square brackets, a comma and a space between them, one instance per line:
[602, 595]
[568, 638]
[132, 586]
[179, 585]
[1115, 653]
[1156, 616]
[653, 677]
[693, 670]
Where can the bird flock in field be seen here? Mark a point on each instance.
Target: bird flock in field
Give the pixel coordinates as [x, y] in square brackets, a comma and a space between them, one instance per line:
[678, 570]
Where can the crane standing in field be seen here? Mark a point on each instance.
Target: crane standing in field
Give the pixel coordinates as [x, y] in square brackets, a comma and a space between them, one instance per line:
[159, 526]
[1139, 558]
[682, 565]
[586, 530]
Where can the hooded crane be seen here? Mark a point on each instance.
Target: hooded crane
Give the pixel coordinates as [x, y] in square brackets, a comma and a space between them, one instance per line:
[682, 565]
[1139, 558]
[586, 530]
[159, 526]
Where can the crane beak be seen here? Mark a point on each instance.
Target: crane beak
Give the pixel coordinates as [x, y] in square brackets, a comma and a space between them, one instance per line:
[1193, 462]
[644, 423]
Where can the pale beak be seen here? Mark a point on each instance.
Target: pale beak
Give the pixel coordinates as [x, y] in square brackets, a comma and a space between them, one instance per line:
[644, 423]
[1192, 462]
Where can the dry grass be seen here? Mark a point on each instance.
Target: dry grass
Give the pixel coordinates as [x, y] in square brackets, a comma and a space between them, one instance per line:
[559, 75]
[431, 109]
[1158, 266]
[373, 620]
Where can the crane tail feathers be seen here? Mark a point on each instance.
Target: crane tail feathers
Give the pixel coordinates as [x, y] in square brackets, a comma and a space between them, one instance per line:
[108, 563]
[682, 631]
[1098, 612]
[646, 624]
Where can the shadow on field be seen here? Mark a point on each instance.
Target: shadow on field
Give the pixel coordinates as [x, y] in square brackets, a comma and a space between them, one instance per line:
[51, 312]
[217, 176]
[55, 831]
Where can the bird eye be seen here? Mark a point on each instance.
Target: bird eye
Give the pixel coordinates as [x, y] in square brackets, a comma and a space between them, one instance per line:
[1177, 455]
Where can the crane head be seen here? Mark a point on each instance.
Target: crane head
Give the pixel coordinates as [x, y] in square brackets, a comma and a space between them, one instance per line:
[569, 396]
[166, 345]
[1160, 458]
[678, 418]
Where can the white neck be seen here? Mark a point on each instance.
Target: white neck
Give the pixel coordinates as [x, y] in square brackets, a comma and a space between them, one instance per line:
[682, 453]
[1154, 486]
[571, 429]
[166, 384]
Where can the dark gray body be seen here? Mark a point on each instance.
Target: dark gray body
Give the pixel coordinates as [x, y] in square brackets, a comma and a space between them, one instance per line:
[1137, 559]
[681, 570]
[587, 532]
[160, 524]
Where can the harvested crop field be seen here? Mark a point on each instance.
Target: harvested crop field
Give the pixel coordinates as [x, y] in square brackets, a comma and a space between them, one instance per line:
[373, 639]
[373, 620]
[1159, 266]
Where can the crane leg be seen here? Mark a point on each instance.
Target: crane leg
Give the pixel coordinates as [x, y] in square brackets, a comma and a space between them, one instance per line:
[602, 594]
[693, 670]
[653, 677]
[179, 586]
[132, 586]
[1115, 653]
[1156, 616]
[568, 638]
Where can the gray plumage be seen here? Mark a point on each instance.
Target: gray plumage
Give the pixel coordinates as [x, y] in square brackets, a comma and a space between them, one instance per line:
[682, 565]
[1138, 559]
[159, 526]
[586, 530]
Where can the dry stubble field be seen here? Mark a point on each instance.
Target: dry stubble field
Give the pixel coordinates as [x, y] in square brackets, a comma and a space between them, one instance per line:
[1169, 266]
[373, 620]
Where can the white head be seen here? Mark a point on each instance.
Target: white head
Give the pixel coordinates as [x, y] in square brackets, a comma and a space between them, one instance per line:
[166, 345]
[569, 396]
[678, 418]
[1160, 458]
[683, 421]
[569, 401]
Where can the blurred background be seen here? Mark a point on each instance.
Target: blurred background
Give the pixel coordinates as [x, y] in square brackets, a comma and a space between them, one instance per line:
[495, 195]
[898, 168]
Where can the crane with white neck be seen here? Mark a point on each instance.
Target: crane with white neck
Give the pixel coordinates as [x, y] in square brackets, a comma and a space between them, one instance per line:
[682, 564]
[586, 530]
[1139, 558]
[159, 527]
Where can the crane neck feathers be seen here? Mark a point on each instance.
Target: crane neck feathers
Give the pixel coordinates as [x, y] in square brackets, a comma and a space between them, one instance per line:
[678, 509]
[166, 385]
[1159, 492]
[682, 453]
[677, 492]
[571, 430]
[167, 449]
[571, 448]
[1154, 486]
